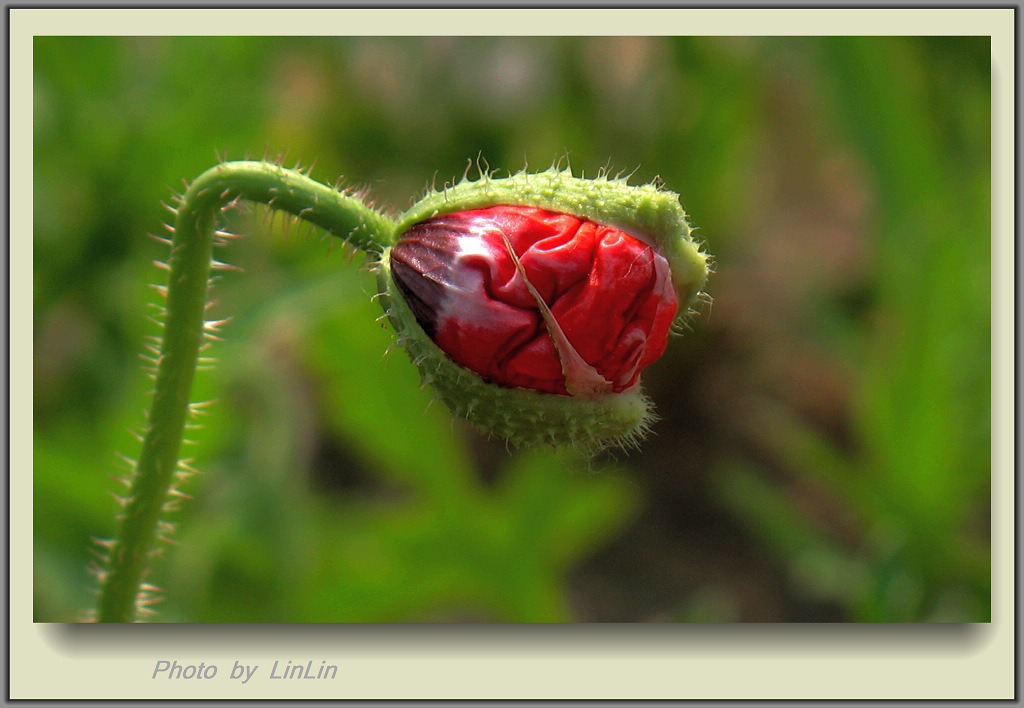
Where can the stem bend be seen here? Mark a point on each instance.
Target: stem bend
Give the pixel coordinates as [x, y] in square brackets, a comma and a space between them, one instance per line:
[154, 477]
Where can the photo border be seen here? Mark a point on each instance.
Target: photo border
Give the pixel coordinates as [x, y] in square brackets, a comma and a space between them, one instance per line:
[587, 662]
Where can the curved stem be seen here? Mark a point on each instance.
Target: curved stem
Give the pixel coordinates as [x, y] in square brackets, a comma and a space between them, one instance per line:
[158, 466]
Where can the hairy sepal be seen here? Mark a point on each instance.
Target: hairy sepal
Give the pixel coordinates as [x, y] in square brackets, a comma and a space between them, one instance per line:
[520, 416]
[647, 212]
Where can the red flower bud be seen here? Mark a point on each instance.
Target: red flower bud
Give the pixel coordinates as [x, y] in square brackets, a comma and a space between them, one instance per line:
[531, 303]
[535, 299]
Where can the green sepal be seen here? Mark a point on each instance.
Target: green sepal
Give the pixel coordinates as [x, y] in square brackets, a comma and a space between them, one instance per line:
[647, 212]
[520, 416]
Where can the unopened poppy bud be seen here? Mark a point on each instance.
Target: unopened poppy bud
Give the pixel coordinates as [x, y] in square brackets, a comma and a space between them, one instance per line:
[533, 303]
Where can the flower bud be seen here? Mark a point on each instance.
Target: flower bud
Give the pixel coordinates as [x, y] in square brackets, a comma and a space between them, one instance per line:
[533, 303]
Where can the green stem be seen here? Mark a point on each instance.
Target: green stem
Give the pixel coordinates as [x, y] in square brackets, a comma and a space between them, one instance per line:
[185, 329]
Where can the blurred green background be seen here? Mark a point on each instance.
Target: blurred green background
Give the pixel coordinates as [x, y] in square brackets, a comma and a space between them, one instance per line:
[823, 452]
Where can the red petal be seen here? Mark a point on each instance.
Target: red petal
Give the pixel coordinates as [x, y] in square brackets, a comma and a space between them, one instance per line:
[608, 292]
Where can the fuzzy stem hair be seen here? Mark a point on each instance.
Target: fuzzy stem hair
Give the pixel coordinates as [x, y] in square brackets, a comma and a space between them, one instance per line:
[152, 482]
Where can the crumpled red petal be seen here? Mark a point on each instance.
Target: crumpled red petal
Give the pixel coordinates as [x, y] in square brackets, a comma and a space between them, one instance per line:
[610, 293]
